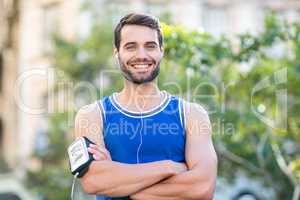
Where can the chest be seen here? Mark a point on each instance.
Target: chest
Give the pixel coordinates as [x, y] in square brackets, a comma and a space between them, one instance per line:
[145, 139]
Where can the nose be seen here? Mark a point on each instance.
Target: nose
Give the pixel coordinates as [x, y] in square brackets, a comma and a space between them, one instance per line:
[141, 53]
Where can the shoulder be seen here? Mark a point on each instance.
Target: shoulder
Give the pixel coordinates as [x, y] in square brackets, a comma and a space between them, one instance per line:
[88, 122]
[196, 116]
[90, 111]
[194, 109]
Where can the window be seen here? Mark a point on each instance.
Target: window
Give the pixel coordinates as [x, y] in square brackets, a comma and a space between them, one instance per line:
[154, 9]
[215, 19]
[291, 15]
[50, 25]
[116, 11]
[160, 10]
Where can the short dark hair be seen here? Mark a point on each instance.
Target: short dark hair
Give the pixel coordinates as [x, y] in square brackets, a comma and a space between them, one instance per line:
[137, 19]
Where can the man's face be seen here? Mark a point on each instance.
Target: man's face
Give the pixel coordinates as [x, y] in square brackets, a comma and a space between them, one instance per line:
[139, 54]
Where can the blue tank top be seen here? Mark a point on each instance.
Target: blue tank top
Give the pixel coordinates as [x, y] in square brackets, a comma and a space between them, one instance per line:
[134, 137]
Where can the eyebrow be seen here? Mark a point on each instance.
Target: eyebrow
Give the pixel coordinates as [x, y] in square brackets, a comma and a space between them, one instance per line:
[134, 43]
[129, 43]
[152, 42]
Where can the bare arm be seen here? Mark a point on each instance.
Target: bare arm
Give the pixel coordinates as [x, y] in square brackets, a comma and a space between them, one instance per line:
[115, 179]
[199, 181]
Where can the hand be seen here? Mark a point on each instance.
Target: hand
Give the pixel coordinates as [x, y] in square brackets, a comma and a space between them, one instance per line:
[135, 197]
[179, 167]
[99, 153]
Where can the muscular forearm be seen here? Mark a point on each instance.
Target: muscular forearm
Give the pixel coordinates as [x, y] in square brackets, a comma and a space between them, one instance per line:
[184, 186]
[116, 179]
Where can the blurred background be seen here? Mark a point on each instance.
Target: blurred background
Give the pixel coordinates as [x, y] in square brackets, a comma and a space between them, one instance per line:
[239, 59]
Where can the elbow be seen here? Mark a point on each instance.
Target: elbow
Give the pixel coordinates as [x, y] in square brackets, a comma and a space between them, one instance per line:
[88, 185]
[90, 181]
[207, 194]
[91, 186]
[202, 192]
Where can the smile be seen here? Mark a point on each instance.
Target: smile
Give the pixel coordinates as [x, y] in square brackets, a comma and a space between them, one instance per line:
[141, 66]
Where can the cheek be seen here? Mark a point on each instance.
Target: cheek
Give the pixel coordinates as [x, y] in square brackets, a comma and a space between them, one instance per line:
[124, 58]
[157, 56]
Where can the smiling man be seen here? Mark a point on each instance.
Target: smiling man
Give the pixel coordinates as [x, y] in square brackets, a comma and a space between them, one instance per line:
[149, 144]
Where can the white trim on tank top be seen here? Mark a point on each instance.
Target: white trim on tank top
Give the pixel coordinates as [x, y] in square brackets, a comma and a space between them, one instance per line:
[163, 105]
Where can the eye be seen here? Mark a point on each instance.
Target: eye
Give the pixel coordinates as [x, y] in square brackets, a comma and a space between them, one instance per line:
[130, 47]
[151, 46]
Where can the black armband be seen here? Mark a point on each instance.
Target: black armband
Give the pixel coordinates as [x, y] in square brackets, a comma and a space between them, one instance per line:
[79, 157]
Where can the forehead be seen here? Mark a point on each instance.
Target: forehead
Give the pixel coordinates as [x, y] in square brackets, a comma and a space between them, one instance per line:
[139, 34]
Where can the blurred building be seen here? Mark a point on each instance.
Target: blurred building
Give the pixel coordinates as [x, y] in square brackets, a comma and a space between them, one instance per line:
[217, 17]
[39, 21]
[26, 30]
[9, 54]
[27, 27]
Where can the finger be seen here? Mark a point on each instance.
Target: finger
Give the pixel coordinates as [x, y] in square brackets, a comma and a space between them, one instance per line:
[97, 147]
[102, 150]
[99, 150]
[98, 157]
[95, 151]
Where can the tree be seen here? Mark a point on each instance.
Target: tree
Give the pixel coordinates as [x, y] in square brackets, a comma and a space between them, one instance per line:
[268, 150]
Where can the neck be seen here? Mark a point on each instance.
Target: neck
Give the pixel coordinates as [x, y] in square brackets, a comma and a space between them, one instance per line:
[140, 97]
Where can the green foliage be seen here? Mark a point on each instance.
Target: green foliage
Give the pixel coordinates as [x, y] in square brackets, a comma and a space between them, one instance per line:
[52, 178]
[226, 91]
[84, 60]
[51, 182]
[4, 168]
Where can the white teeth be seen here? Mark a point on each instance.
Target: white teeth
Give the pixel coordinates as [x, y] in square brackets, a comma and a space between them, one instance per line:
[141, 66]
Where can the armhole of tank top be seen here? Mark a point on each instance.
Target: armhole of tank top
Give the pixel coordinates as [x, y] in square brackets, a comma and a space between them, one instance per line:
[181, 113]
[102, 111]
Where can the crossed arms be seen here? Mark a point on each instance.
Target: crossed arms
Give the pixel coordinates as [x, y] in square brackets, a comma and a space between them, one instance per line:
[161, 180]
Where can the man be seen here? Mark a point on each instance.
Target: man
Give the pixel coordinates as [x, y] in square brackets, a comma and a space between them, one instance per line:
[149, 144]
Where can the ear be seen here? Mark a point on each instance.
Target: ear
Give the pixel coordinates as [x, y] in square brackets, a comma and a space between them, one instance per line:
[162, 49]
[116, 53]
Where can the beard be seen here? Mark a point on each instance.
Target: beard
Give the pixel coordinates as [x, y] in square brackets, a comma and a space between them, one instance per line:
[138, 80]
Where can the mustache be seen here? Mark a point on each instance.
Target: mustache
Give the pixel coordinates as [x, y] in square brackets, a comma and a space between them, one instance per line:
[138, 61]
